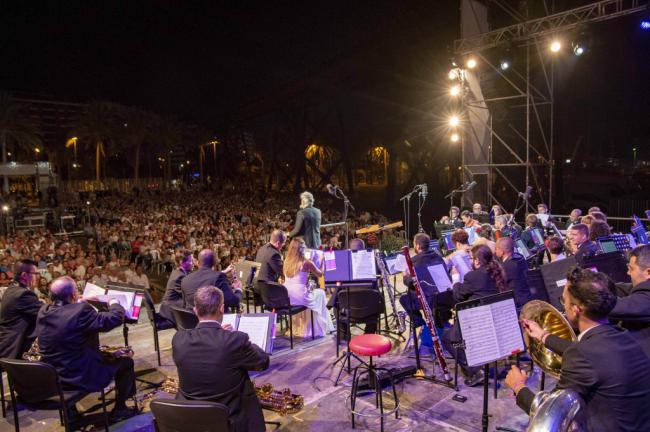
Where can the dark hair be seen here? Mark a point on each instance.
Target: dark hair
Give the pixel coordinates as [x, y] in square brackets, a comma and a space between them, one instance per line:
[583, 228]
[422, 240]
[531, 220]
[593, 209]
[543, 205]
[594, 292]
[452, 208]
[642, 254]
[466, 213]
[208, 300]
[183, 256]
[486, 231]
[460, 236]
[598, 228]
[599, 216]
[485, 257]
[22, 266]
[555, 245]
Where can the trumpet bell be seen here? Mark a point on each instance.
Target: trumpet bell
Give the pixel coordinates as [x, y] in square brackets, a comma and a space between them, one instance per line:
[551, 320]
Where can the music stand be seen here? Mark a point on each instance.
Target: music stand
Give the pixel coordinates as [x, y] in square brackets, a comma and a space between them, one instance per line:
[248, 273]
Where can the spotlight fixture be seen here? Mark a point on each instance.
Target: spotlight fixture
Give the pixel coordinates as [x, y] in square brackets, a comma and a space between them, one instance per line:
[455, 90]
[505, 64]
[555, 46]
[471, 63]
[455, 137]
[568, 161]
[578, 49]
[5, 208]
[645, 24]
[453, 74]
[454, 121]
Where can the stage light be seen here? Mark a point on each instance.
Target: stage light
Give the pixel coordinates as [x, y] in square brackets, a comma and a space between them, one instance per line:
[5, 208]
[578, 50]
[455, 90]
[455, 137]
[454, 121]
[471, 63]
[453, 74]
[555, 46]
[568, 161]
[505, 65]
[645, 24]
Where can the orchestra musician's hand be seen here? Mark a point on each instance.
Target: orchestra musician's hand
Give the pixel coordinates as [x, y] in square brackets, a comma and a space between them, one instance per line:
[226, 327]
[516, 379]
[534, 330]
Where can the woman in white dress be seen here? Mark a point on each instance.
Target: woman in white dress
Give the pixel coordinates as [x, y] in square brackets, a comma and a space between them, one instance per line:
[302, 293]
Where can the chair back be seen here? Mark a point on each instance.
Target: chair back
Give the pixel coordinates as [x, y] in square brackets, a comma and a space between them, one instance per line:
[274, 295]
[33, 382]
[360, 303]
[185, 319]
[173, 415]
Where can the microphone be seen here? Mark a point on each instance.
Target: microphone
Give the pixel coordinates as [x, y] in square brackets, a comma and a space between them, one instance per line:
[331, 189]
[526, 195]
[424, 190]
[471, 185]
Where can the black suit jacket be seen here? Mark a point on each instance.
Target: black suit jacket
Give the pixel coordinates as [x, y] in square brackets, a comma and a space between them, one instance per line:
[586, 250]
[271, 260]
[612, 374]
[204, 277]
[173, 294]
[424, 259]
[213, 365]
[308, 226]
[633, 311]
[68, 337]
[18, 312]
[476, 284]
[516, 268]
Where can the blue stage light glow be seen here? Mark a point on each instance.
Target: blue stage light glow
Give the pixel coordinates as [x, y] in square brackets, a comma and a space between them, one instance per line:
[645, 24]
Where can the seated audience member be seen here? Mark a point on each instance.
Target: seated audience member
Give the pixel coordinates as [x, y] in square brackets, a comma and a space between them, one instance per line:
[632, 309]
[574, 218]
[68, 337]
[139, 277]
[205, 276]
[486, 279]
[18, 311]
[302, 292]
[598, 229]
[582, 247]
[270, 258]
[605, 366]
[515, 267]
[555, 247]
[213, 363]
[468, 220]
[173, 293]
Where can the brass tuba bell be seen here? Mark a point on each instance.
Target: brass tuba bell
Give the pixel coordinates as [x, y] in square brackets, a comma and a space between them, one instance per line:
[551, 320]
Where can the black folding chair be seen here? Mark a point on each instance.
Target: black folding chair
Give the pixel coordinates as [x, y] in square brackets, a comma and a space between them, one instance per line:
[185, 319]
[37, 386]
[171, 415]
[157, 321]
[276, 299]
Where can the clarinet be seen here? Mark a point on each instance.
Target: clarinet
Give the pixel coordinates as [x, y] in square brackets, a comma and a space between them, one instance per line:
[397, 317]
[428, 315]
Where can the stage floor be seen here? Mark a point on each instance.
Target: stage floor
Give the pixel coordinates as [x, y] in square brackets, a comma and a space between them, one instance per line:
[307, 370]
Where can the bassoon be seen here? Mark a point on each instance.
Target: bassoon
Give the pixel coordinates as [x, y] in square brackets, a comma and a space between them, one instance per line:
[428, 315]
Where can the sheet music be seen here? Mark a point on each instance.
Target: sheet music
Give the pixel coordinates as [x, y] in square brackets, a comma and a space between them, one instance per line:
[506, 323]
[477, 328]
[462, 264]
[125, 298]
[363, 265]
[438, 273]
[256, 327]
[230, 319]
[471, 235]
[330, 260]
[316, 256]
[396, 264]
[92, 290]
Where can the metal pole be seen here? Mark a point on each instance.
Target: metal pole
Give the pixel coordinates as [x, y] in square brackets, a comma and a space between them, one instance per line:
[527, 119]
[551, 160]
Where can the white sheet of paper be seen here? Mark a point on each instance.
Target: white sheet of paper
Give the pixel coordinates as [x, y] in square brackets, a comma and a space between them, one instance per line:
[256, 327]
[363, 265]
[462, 264]
[330, 261]
[543, 218]
[230, 319]
[92, 290]
[438, 273]
[506, 323]
[125, 298]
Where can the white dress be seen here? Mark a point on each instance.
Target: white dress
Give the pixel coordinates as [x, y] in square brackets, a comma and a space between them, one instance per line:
[300, 294]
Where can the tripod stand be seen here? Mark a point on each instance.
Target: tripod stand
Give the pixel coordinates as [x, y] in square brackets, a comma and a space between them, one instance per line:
[346, 206]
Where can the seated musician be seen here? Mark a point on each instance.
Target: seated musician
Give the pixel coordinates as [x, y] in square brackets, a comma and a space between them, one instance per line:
[68, 337]
[495, 211]
[173, 293]
[454, 217]
[206, 276]
[574, 218]
[486, 237]
[527, 234]
[515, 267]
[213, 363]
[597, 229]
[605, 366]
[582, 247]
[477, 209]
[468, 220]
[486, 279]
[460, 260]
[270, 258]
[555, 247]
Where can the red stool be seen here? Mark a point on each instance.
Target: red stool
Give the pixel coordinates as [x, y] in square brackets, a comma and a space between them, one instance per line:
[372, 345]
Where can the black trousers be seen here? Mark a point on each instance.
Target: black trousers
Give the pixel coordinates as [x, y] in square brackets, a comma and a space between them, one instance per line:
[440, 303]
[124, 380]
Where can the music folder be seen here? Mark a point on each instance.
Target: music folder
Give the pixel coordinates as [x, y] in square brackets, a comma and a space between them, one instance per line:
[347, 265]
[555, 278]
[258, 327]
[490, 328]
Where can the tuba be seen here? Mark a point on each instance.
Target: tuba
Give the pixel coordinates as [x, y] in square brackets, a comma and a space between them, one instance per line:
[561, 410]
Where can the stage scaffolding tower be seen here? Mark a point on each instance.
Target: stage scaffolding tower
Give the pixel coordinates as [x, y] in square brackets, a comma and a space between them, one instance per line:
[519, 100]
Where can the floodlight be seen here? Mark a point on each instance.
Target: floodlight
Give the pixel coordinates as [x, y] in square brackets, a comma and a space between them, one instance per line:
[455, 90]
[505, 64]
[454, 121]
[453, 74]
[555, 46]
[455, 137]
[578, 50]
[471, 63]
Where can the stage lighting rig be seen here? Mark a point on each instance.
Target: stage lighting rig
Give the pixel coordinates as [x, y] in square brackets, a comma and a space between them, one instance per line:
[505, 65]
[455, 137]
[578, 49]
[454, 91]
[454, 121]
[555, 46]
[471, 63]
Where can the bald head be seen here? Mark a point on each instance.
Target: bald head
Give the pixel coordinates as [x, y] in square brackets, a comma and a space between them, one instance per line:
[206, 258]
[63, 289]
[505, 247]
[278, 238]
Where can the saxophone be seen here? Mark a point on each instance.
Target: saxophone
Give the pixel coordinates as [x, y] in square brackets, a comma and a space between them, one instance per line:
[398, 317]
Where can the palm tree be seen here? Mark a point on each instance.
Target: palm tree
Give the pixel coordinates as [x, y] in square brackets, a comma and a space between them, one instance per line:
[137, 128]
[97, 127]
[15, 126]
[168, 134]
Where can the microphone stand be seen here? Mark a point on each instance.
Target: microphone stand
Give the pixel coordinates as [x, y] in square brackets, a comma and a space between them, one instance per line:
[406, 202]
[461, 190]
[421, 199]
[346, 205]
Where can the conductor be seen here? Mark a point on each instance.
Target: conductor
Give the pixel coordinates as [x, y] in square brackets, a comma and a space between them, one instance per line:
[307, 222]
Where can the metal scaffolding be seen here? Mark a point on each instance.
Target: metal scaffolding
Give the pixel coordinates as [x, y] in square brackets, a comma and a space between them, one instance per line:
[520, 99]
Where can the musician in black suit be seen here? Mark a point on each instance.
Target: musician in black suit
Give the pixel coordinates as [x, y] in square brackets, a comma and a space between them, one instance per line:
[583, 248]
[68, 337]
[270, 258]
[486, 279]
[574, 218]
[532, 223]
[454, 217]
[633, 308]
[213, 363]
[307, 222]
[205, 276]
[606, 366]
[18, 311]
[515, 267]
[173, 293]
